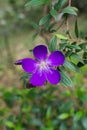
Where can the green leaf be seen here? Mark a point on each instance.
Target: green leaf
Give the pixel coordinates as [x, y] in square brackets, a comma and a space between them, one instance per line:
[59, 4]
[84, 122]
[48, 128]
[67, 93]
[34, 25]
[44, 19]
[70, 10]
[77, 57]
[76, 29]
[53, 13]
[60, 36]
[35, 35]
[62, 45]
[9, 124]
[65, 79]
[78, 116]
[52, 46]
[48, 113]
[68, 53]
[36, 2]
[51, 27]
[63, 116]
[85, 57]
[71, 66]
[73, 47]
[63, 126]
[83, 46]
[80, 64]
[36, 122]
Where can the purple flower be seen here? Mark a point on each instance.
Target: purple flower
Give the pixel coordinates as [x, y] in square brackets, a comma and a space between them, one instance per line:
[44, 67]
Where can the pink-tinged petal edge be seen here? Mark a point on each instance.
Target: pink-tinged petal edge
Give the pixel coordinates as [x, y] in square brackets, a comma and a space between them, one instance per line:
[40, 52]
[29, 65]
[53, 76]
[56, 58]
[38, 79]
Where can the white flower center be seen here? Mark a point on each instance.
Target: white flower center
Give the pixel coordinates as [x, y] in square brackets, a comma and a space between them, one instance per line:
[43, 65]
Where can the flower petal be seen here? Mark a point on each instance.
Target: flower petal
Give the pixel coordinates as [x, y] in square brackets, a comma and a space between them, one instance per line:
[53, 76]
[37, 79]
[29, 65]
[40, 52]
[56, 58]
[18, 62]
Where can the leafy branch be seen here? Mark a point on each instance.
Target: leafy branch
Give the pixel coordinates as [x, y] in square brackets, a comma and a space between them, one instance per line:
[55, 16]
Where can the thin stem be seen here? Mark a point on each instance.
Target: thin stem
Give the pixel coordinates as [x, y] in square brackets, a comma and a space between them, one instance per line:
[42, 32]
[50, 4]
[67, 21]
[60, 25]
[69, 2]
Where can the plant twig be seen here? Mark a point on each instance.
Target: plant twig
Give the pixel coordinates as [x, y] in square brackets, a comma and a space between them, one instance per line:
[60, 25]
[70, 2]
[43, 32]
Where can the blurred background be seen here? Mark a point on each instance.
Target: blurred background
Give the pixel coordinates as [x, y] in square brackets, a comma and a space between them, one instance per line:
[23, 109]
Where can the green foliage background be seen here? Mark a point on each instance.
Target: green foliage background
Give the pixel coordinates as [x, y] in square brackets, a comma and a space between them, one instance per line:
[50, 107]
